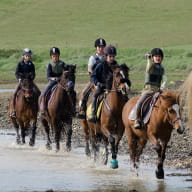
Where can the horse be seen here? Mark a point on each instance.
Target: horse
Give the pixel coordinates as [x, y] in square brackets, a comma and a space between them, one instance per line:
[165, 115]
[60, 110]
[109, 127]
[26, 107]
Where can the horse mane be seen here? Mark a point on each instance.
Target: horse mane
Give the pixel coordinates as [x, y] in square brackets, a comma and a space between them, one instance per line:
[185, 91]
[170, 96]
[125, 68]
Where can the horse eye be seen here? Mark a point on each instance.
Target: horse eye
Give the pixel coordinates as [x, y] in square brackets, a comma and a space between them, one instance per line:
[171, 111]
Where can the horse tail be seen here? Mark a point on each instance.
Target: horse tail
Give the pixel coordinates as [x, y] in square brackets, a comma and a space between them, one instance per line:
[186, 98]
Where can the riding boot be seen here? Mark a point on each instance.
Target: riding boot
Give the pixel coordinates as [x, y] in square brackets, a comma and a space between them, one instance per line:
[82, 110]
[92, 117]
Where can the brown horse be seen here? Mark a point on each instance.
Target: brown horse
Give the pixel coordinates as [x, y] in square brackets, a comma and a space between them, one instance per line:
[60, 110]
[26, 110]
[164, 117]
[109, 127]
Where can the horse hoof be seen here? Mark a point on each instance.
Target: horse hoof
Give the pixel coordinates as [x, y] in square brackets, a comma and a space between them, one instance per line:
[159, 174]
[114, 164]
[31, 143]
[48, 147]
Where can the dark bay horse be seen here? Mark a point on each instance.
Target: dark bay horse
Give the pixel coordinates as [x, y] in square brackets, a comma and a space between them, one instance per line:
[164, 117]
[60, 110]
[26, 110]
[109, 127]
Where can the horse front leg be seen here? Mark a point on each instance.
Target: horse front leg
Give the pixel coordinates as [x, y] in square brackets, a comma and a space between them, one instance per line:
[114, 162]
[105, 153]
[47, 131]
[69, 132]
[86, 136]
[33, 134]
[57, 128]
[16, 126]
[161, 157]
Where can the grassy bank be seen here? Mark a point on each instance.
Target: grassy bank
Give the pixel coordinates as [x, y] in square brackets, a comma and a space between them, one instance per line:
[133, 26]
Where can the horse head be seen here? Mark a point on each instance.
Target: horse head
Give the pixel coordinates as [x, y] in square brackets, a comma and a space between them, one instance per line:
[67, 80]
[121, 80]
[170, 105]
[27, 88]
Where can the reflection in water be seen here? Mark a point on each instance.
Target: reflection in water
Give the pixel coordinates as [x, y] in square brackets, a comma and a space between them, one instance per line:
[23, 168]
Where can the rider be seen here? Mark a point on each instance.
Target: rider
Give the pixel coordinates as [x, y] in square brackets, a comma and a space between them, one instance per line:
[99, 74]
[94, 59]
[54, 71]
[25, 66]
[155, 80]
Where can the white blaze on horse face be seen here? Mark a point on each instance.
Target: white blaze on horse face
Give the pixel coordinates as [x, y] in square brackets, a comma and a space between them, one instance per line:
[176, 108]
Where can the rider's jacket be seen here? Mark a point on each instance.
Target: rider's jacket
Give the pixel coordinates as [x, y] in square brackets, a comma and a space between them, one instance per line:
[24, 68]
[55, 69]
[101, 72]
[154, 75]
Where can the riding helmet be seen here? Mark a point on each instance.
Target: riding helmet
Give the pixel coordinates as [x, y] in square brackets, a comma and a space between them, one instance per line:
[54, 50]
[110, 50]
[157, 51]
[100, 42]
[27, 51]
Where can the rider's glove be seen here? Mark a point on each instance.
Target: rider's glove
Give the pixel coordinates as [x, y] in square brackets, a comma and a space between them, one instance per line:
[101, 85]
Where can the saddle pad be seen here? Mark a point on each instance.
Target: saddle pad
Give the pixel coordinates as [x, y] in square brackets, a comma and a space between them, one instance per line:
[98, 110]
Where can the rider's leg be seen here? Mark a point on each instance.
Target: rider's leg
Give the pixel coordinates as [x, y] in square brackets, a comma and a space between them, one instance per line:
[138, 119]
[93, 109]
[43, 106]
[13, 101]
[83, 101]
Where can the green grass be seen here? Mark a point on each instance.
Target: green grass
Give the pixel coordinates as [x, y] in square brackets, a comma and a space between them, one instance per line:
[133, 26]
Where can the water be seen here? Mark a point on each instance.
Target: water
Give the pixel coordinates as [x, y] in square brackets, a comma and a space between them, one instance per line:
[24, 169]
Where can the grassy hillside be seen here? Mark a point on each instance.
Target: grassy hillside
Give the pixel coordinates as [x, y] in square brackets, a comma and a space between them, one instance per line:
[76, 23]
[134, 26]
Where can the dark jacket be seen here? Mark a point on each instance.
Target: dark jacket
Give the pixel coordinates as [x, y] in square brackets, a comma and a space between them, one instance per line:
[23, 69]
[55, 69]
[101, 72]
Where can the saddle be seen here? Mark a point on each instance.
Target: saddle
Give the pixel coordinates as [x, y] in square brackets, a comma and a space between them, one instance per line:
[50, 94]
[146, 108]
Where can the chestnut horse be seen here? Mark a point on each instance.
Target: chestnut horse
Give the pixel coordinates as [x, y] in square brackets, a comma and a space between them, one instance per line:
[60, 110]
[26, 107]
[109, 127]
[165, 116]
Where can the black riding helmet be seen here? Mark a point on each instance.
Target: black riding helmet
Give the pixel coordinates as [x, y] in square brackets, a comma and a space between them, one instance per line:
[110, 50]
[157, 51]
[54, 50]
[100, 42]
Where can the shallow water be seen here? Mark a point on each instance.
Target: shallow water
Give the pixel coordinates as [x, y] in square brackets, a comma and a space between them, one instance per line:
[23, 168]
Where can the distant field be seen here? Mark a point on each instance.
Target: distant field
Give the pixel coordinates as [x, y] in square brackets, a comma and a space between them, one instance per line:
[76, 23]
[133, 26]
